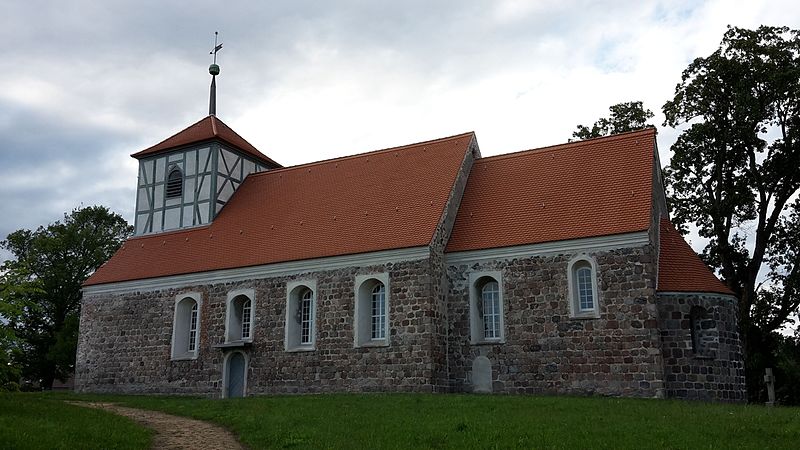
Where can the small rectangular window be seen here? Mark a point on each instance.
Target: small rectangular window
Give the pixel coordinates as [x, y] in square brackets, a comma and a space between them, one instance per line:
[490, 296]
[305, 318]
[379, 312]
[193, 329]
[246, 320]
[585, 288]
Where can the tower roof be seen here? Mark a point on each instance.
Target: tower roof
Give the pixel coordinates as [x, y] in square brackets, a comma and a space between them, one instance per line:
[209, 128]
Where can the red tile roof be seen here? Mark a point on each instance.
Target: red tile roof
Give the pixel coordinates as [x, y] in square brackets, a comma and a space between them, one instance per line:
[388, 199]
[679, 267]
[207, 129]
[589, 188]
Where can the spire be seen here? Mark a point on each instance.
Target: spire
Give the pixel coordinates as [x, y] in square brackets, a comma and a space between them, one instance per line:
[213, 69]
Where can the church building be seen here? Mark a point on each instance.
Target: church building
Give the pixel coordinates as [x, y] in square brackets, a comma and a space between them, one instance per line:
[419, 268]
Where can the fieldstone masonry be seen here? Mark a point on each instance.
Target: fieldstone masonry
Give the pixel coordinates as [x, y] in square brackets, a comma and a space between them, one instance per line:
[125, 339]
[702, 351]
[642, 344]
[548, 352]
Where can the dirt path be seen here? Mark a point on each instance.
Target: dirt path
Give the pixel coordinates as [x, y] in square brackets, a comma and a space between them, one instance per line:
[173, 432]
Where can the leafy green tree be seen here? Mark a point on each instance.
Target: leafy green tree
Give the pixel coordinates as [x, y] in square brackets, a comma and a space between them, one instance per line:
[12, 303]
[42, 287]
[735, 173]
[628, 116]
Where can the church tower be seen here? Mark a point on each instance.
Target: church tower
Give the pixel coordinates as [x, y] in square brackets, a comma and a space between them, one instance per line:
[185, 180]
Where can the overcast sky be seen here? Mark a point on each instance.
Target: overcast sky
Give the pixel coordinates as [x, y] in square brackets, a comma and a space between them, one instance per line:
[87, 83]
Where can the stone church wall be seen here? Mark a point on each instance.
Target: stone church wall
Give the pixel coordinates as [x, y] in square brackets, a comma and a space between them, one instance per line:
[440, 286]
[703, 357]
[125, 339]
[547, 351]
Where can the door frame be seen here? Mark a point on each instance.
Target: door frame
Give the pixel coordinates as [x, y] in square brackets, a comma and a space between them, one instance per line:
[226, 370]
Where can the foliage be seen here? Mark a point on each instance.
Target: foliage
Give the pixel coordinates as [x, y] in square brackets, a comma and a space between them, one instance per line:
[41, 287]
[787, 370]
[628, 116]
[34, 421]
[13, 292]
[734, 173]
[377, 421]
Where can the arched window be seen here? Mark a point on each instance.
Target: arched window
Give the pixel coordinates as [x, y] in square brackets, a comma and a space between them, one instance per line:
[186, 326]
[486, 308]
[583, 295]
[300, 316]
[490, 302]
[239, 326]
[174, 187]
[370, 327]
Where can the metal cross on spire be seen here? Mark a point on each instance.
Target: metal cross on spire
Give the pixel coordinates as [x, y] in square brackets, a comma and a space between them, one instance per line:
[213, 69]
[216, 47]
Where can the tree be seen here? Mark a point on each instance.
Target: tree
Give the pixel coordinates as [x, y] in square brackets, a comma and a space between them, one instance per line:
[12, 303]
[734, 173]
[41, 286]
[628, 116]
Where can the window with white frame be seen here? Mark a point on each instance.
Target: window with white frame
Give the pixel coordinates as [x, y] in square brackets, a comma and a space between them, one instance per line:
[583, 293]
[300, 316]
[240, 316]
[378, 312]
[371, 318]
[486, 308]
[304, 316]
[186, 326]
[193, 317]
[490, 304]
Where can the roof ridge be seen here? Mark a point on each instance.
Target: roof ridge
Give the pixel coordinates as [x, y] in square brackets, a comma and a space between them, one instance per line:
[214, 131]
[361, 155]
[169, 137]
[585, 142]
[229, 128]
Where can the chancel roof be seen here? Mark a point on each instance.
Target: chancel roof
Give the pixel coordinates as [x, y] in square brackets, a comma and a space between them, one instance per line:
[679, 267]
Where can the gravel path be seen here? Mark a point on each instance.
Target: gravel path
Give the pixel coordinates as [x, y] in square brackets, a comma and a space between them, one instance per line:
[173, 432]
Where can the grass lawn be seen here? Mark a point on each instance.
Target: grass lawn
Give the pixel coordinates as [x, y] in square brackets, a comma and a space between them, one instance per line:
[35, 421]
[471, 421]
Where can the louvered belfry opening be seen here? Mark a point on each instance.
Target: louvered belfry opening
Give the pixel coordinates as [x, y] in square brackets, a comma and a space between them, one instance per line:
[174, 183]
